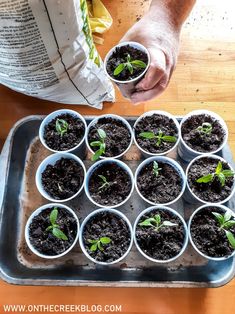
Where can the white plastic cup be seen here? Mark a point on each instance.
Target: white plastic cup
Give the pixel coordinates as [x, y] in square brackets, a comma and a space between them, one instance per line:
[79, 149]
[224, 208]
[51, 160]
[162, 113]
[96, 166]
[166, 160]
[127, 87]
[164, 208]
[114, 117]
[191, 197]
[36, 213]
[94, 213]
[186, 152]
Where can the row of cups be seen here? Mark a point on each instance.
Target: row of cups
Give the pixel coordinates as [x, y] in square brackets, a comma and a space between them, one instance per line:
[132, 231]
[185, 152]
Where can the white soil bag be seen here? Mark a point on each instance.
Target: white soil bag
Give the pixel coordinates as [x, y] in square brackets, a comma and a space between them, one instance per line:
[47, 51]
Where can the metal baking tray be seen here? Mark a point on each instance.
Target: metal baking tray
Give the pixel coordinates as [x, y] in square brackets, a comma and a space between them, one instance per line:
[20, 157]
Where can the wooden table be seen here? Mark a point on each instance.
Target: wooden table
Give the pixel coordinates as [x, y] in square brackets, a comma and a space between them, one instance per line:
[204, 78]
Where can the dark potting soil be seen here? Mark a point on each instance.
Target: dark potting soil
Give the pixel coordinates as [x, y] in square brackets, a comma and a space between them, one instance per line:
[106, 224]
[119, 185]
[120, 56]
[207, 236]
[44, 241]
[201, 142]
[154, 123]
[212, 191]
[160, 189]
[68, 140]
[165, 243]
[63, 179]
[118, 136]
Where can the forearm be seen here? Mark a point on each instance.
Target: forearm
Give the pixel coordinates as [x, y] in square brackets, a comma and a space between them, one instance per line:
[175, 11]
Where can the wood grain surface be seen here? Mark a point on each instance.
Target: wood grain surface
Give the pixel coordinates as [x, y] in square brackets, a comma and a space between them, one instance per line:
[204, 78]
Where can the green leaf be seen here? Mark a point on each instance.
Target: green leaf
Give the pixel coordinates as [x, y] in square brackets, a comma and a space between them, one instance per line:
[148, 135]
[119, 69]
[128, 58]
[228, 173]
[169, 224]
[102, 133]
[156, 168]
[229, 224]
[95, 143]
[100, 246]
[49, 228]
[231, 238]
[59, 234]
[97, 154]
[206, 179]
[129, 67]
[103, 178]
[221, 178]
[147, 222]
[92, 241]
[157, 219]
[219, 168]
[139, 64]
[61, 126]
[93, 248]
[227, 215]
[53, 215]
[219, 217]
[105, 240]
[168, 138]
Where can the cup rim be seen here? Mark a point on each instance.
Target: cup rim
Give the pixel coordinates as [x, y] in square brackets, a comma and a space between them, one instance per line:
[167, 160]
[125, 43]
[225, 208]
[163, 113]
[115, 117]
[95, 212]
[48, 118]
[189, 188]
[164, 208]
[55, 157]
[213, 115]
[37, 212]
[97, 165]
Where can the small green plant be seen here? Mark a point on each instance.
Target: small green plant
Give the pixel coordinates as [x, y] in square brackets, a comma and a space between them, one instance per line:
[61, 126]
[98, 244]
[221, 174]
[225, 223]
[160, 137]
[130, 65]
[156, 223]
[205, 129]
[105, 183]
[54, 228]
[100, 144]
[156, 168]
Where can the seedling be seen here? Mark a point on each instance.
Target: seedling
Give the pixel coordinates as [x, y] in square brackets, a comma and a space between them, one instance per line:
[156, 168]
[54, 228]
[225, 223]
[160, 137]
[156, 223]
[98, 244]
[130, 65]
[105, 183]
[100, 144]
[205, 129]
[221, 174]
[61, 126]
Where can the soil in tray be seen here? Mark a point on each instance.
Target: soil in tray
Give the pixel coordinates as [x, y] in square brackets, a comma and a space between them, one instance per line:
[202, 142]
[117, 139]
[70, 139]
[106, 224]
[116, 190]
[44, 241]
[212, 191]
[164, 243]
[63, 179]
[162, 188]
[207, 236]
[155, 123]
[120, 56]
